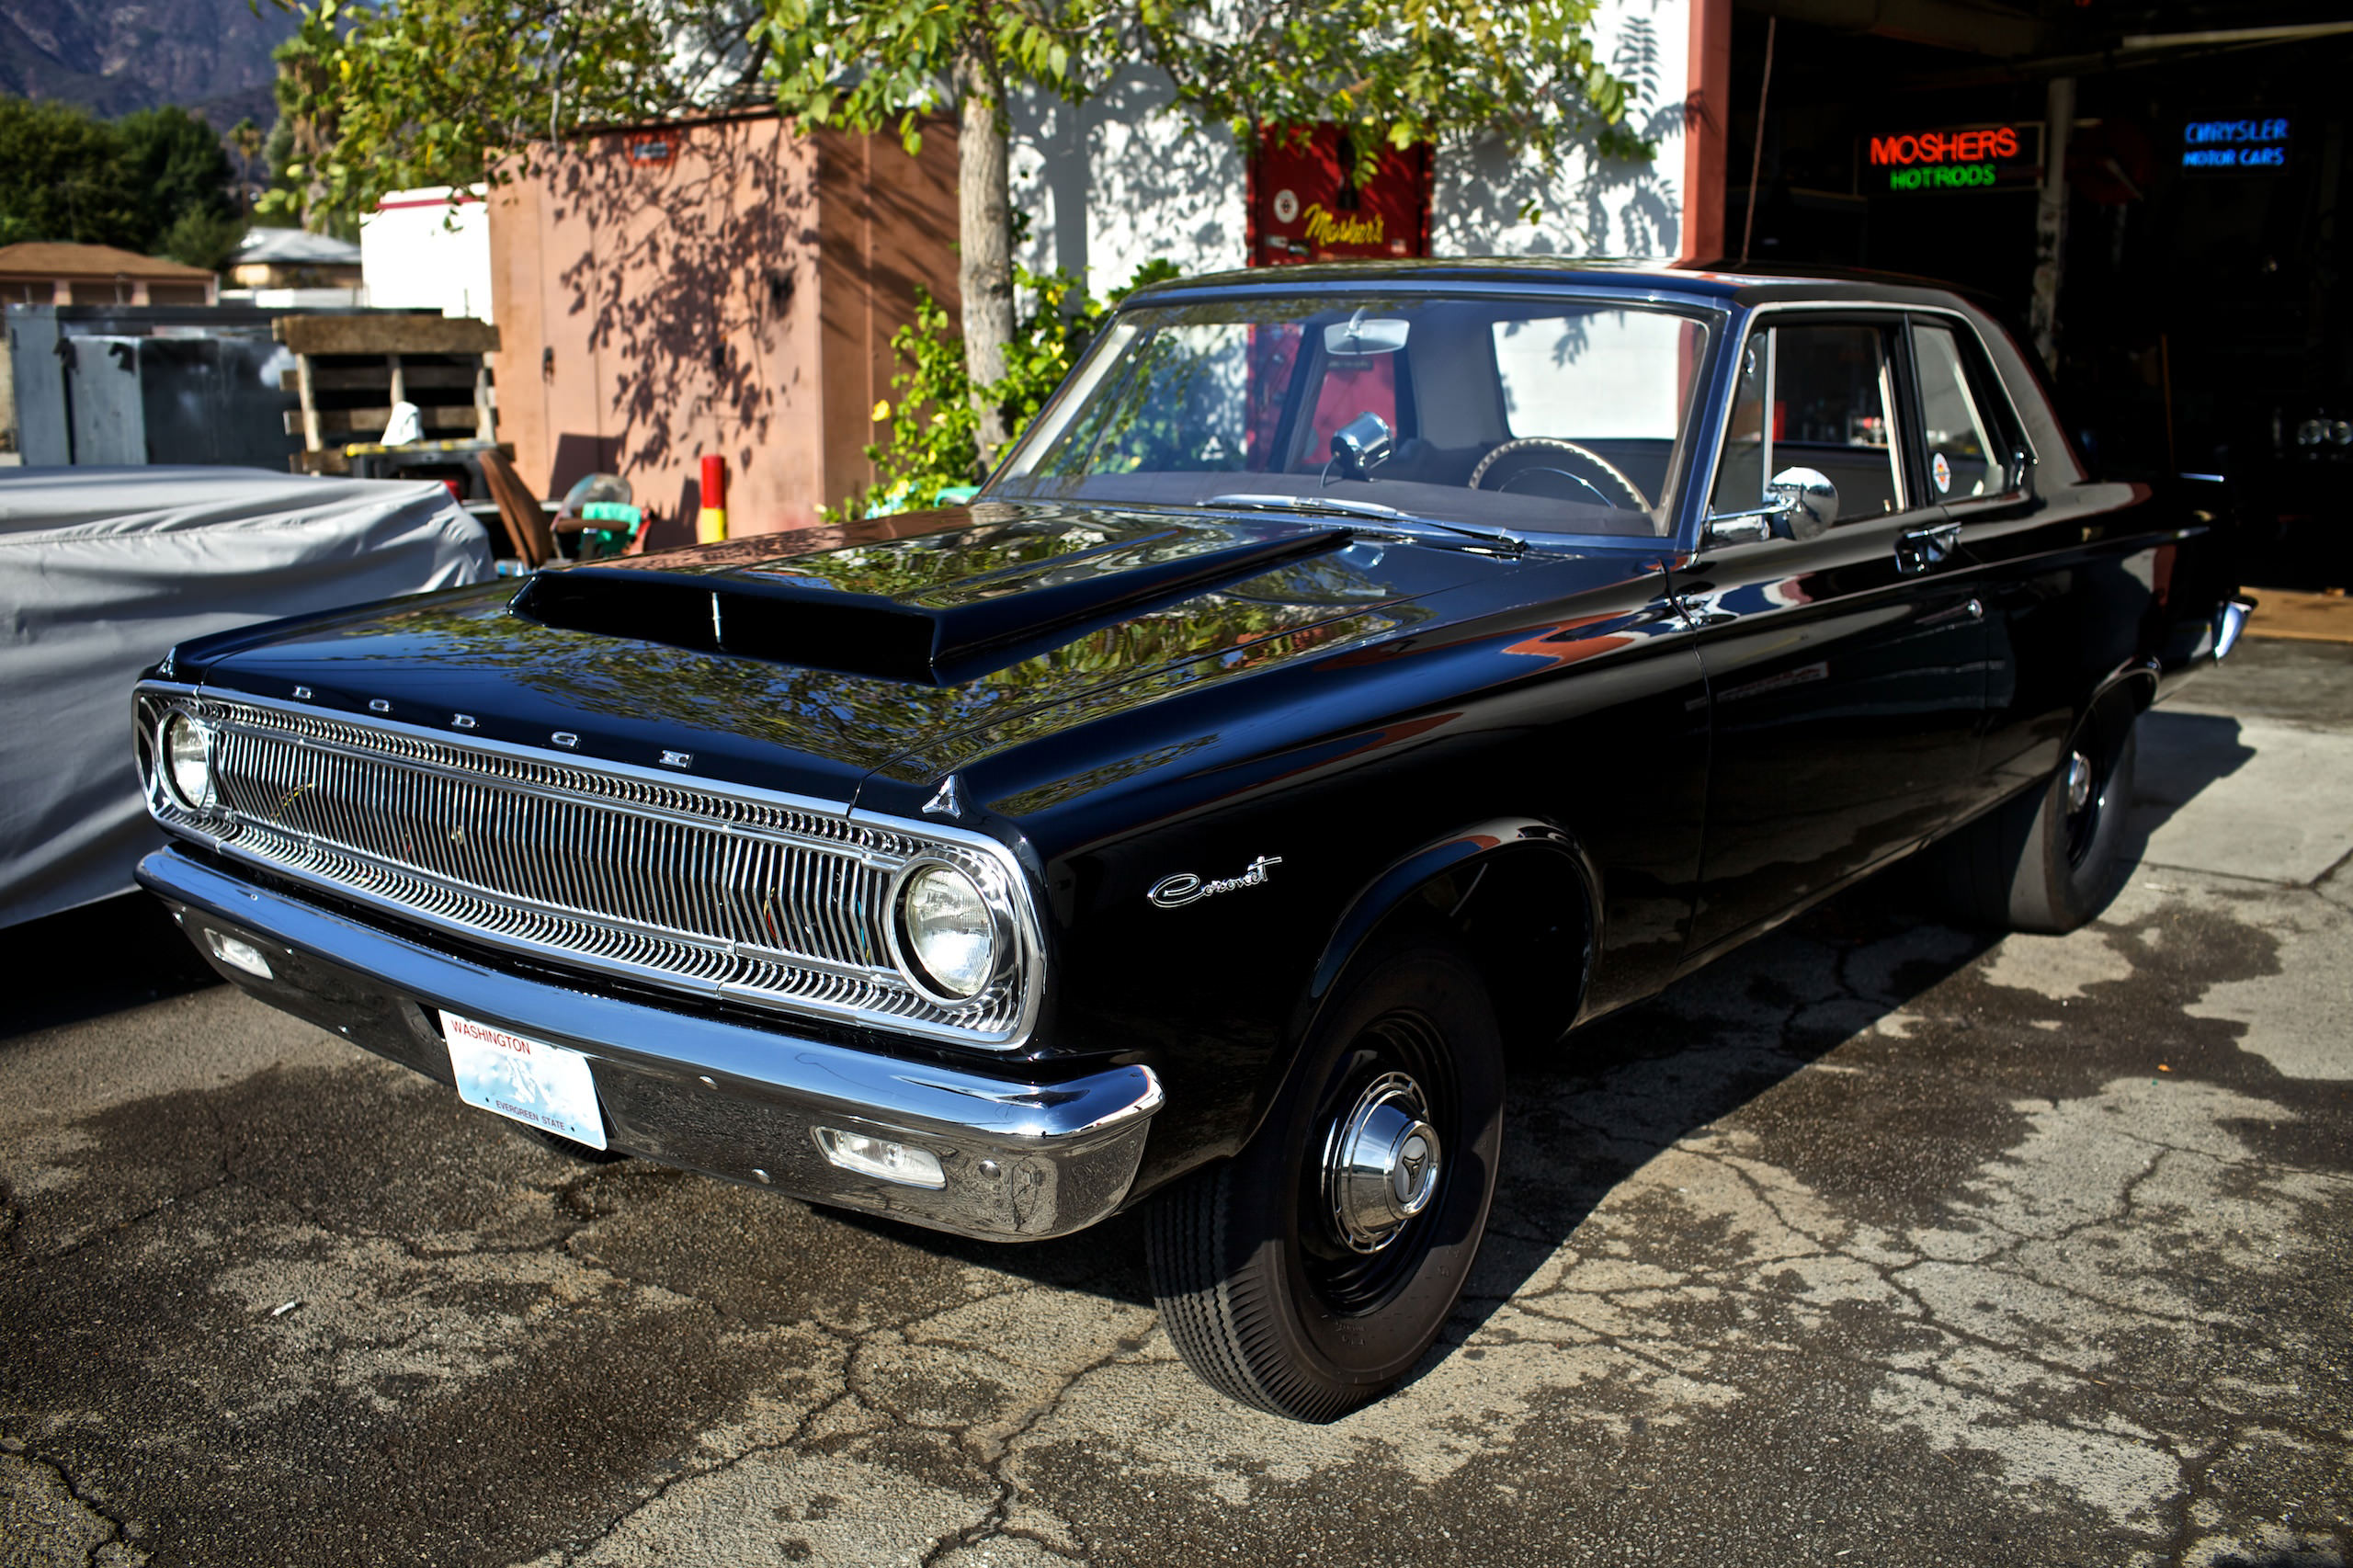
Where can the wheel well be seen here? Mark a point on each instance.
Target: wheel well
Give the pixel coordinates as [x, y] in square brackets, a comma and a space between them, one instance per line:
[2133, 686]
[1524, 916]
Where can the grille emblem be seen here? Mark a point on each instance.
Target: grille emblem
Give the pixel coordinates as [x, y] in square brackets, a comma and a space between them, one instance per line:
[564, 738]
[949, 801]
[677, 758]
[303, 693]
[462, 721]
[378, 705]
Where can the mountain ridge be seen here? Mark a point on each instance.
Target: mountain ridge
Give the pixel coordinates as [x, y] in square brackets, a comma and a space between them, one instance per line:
[114, 56]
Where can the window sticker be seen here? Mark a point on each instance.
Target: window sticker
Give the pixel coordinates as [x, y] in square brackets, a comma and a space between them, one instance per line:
[1942, 472]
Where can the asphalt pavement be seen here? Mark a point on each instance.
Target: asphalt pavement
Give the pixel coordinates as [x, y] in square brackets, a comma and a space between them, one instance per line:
[1877, 1242]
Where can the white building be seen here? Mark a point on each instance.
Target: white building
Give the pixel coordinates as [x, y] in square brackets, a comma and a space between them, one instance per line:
[1128, 177]
[420, 249]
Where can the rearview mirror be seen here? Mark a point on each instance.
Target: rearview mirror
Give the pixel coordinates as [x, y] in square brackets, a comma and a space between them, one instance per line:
[1360, 335]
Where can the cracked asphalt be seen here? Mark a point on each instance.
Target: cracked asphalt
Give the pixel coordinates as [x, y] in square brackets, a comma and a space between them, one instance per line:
[1876, 1242]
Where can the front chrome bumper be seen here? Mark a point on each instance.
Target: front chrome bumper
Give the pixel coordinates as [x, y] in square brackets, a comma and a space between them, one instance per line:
[1021, 1159]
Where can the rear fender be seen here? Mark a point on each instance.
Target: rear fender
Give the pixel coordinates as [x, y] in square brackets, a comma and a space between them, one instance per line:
[2130, 688]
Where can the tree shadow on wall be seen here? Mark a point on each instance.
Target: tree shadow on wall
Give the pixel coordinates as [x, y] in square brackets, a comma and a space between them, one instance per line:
[1612, 205]
[1130, 145]
[688, 277]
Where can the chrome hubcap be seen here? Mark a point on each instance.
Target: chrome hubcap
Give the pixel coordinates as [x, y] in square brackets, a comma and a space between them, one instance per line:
[2079, 782]
[1380, 1162]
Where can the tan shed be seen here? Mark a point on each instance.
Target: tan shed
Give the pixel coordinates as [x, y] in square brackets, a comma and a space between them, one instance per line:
[54, 272]
[721, 286]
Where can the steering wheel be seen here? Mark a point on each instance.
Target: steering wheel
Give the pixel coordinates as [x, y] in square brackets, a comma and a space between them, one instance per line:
[1588, 471]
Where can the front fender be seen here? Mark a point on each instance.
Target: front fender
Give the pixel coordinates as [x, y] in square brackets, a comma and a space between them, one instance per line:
[1390, 894]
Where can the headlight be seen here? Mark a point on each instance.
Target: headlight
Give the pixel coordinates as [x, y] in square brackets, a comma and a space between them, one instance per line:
[947, 936]
[187, 762]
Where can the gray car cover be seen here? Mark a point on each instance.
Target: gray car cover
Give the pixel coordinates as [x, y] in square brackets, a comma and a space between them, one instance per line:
[103, 570]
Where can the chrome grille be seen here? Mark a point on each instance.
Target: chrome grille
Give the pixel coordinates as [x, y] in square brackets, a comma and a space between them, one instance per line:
[717, 893]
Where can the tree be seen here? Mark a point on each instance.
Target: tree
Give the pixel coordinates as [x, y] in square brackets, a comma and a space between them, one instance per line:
[63, 176]
[1396, 72]
[182, 175]
[155, 179]
[246, 139]
[866, 64]
[388, 95]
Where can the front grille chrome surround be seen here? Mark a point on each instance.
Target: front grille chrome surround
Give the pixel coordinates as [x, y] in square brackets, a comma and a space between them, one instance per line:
[708, 888]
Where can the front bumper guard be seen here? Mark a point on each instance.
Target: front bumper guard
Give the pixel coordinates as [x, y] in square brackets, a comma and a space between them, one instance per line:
[1022, 1160]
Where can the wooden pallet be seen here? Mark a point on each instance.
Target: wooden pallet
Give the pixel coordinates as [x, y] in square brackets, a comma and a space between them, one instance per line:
[350, 370]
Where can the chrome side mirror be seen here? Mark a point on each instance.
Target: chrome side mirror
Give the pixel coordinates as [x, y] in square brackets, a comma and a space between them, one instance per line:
[1809, 501]
[1804, 504]
[1362, 444]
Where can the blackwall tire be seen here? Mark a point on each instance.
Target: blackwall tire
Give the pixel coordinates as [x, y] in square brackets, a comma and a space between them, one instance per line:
[2041, 863]
[1264, 1284]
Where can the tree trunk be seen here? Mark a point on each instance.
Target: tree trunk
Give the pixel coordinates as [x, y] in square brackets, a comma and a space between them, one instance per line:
[985, 225]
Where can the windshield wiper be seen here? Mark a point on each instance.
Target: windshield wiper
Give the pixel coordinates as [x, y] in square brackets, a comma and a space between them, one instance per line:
[1333, 506]
[1310, 503]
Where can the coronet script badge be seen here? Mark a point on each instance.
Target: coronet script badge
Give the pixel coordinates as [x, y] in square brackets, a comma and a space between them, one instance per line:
[1185, 886]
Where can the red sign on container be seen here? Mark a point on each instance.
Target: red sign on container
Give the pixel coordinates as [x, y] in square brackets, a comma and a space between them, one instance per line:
[1303, 208]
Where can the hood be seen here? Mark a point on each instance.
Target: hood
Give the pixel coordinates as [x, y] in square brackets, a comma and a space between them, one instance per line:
[935, 608]
[805, 662]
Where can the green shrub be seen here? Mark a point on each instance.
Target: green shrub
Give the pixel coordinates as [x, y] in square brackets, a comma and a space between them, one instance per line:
[930, 445]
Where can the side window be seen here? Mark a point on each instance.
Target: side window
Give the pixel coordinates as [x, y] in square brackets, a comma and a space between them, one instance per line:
[1819, 397]
[1961, 427]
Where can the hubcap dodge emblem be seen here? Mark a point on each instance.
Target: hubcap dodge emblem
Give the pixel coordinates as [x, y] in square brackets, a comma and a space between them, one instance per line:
[1380, 1162]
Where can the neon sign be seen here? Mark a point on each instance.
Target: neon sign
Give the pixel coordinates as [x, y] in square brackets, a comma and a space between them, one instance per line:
[1977, 157]
[2252, 145]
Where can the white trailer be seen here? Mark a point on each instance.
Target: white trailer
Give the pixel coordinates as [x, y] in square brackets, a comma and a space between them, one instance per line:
[419, 248]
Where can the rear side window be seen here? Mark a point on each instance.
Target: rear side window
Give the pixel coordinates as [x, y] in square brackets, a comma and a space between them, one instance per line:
[1962, 427]
[1819, 396]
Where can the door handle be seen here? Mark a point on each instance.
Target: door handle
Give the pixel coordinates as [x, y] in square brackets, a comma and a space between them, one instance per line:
[1698, 613]
[1920, 549]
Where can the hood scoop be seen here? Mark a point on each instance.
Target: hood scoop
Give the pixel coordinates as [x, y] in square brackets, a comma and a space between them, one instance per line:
[933, 609]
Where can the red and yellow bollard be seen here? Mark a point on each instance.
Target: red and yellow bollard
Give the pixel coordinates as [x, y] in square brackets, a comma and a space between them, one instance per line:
[711, 522]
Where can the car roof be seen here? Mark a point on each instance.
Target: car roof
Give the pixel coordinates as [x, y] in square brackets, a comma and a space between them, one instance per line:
[1718, 283]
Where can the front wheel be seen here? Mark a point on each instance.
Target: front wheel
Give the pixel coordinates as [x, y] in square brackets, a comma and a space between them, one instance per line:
[1308, 1273]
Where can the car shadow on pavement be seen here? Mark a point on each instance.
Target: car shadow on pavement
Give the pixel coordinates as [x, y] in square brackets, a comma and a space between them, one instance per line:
[1586, 1114]
[119, 952]
[2181, 755]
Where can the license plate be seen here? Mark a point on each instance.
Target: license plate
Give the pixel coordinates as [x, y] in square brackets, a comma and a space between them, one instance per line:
[524, 1080]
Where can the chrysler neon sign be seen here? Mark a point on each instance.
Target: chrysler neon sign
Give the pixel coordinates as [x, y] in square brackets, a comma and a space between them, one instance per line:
[2258, 143]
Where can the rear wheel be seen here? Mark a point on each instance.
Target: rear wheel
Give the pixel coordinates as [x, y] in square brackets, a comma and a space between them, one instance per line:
[1309, 1274]
[2046, 861]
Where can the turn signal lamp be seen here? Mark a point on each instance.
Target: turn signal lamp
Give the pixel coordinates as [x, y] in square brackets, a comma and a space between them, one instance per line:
[869, 1155]
[237, 954]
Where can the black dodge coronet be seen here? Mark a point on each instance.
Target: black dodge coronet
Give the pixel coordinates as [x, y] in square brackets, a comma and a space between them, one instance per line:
[1352, 671]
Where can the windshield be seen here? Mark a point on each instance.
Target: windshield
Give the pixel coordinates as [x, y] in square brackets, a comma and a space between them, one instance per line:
[1519, 414]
